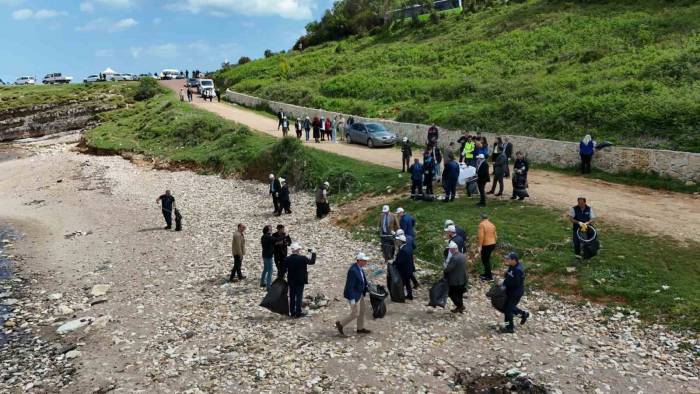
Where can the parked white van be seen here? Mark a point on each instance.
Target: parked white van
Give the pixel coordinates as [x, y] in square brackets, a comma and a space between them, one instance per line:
[25, 81]
[169, 73]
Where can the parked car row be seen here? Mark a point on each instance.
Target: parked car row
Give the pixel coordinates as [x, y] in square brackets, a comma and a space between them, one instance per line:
[200, 85]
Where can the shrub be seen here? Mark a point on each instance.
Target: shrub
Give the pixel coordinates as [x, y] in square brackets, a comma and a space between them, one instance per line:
[148, 88]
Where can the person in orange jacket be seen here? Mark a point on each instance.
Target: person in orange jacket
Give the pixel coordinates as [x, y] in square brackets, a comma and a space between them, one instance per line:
[486, 241]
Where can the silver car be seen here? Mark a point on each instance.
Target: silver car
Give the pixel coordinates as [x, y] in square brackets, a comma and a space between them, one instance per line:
[370, 134]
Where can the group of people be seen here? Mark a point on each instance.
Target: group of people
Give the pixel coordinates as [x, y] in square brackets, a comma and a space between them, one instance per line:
[320, 128]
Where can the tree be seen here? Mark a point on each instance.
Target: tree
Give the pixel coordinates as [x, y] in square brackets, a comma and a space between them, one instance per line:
[243, 60]
[269, 53]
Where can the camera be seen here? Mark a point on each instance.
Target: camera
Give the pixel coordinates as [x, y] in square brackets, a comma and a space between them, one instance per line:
[309, 250]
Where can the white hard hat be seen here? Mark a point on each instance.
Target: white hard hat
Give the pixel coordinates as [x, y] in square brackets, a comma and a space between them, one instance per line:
[282, 180]
[450, 229]
[449, 222]
[401, 238]
[405, 139]
[400, 232]
[480, 156]
[361, 256]
[295, 246]
[272, 176]
[385, 209]
[452, 245]
[326, 183]
[399, 210]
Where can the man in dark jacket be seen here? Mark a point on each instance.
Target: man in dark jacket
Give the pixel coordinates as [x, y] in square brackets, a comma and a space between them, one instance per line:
[282, 241]
[267, 243]
[406, 154]
[428, 171]
[274, 189]
[297, 277]
[455, 269]
[519, 181]
[406, 222]
[581, 216]
[416, 170]
[500, 163]
[355, 291]
[167, 206]
[452, 236]
[284, 201]
[404, 264]
[459, 230]
[508, 150]
[323, 208]
[514, 283]
[482, 173]
[280, 117]
[451, 177]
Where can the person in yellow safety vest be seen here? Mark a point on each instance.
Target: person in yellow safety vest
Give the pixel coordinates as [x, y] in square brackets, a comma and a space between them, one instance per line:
[468, 152]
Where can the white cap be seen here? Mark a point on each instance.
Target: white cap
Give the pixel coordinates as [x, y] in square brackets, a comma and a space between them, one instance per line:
[480, 156]
[450, 229]
[452, 245]
[400, 232]
[272, 176]
[385, 209]
[282, 180]
[405, 139]
[326, 183]
[361, 256]
[401, 238]
[295, 246]
[399, 210]
[449, 222]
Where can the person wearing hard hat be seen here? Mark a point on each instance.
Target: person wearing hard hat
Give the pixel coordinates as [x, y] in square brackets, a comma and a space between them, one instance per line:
[581, 216]
[406, 222]
[274, 190]
[459, 230]
[452, 236]
[355, 291]
[295, 267]
[482, 172]
[387, 229]
[406, 154]
[323, 208]
[514, 283]
[404, 264]
[284, 201]
[455, 269]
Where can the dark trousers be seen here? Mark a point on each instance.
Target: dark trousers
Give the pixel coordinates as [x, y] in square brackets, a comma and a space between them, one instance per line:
[237, 263]
[286, 205]
[388, 247]
[497, 179]
[414, 280]
[406, 279]
[577, 241]
[168, 218]
[456, 294]
[507, 174]
[278, 260]
[486, 259]
[586, 164]
[322, 209]
[299, 134]
[279, 123]
[276, 203]
[307, 134]
[512, 308]
[416, 186]
[482, 192]
[296, 295]
[405, 163]
[428, 183]
[450, 189]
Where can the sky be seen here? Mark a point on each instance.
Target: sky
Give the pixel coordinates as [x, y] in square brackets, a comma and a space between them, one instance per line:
[79, 38]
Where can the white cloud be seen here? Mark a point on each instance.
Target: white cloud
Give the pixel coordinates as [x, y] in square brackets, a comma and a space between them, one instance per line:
[162, 51]
[290, 9]
[116, 3]
[104, 53]
[103, 24]
[87, 7]
[26, 13]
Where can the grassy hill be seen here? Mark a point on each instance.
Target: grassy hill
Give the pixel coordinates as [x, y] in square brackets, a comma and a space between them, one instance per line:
[626, 71]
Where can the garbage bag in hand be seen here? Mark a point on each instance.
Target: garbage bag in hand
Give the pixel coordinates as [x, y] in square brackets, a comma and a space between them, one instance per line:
[395, 284]
[277, 297]
[497, 294]
[377, 294]
[438, 293]
[465, 173]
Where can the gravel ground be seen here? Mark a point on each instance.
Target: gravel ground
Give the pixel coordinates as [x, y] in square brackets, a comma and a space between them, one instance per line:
[167, 321]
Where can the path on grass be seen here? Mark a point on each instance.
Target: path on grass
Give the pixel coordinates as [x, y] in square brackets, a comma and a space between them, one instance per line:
[646, 210]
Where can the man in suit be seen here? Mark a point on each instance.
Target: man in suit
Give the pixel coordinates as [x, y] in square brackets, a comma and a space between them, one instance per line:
[404, 264]
[452, 236]
[284, 201]
[295, 266]
[274, 190]
[515, 288]
[280, 117]
[508, 150]
[406, 222]
[451, 177]
[355, 291]
[282, 241]
[482, 172]
[455, 269]
[459, 230]
[387, 229]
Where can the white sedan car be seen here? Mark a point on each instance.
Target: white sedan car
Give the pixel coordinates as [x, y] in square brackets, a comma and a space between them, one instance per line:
[25, 81]
[92, 78]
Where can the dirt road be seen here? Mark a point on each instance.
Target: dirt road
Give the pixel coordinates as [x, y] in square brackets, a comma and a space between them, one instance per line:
[169, 323]
[646, 210]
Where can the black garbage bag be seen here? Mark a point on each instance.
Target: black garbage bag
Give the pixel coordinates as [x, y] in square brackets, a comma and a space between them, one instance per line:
[277, 297]
[178, 220]
[497, 294]
[377, 295]
[395, 284]
[603, 144]
[438, 293]
[472, 188]
[589, 242]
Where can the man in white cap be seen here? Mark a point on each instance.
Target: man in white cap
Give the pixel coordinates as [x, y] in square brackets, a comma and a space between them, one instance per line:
[387, 229]
[323, 208]
[483, 177]
[406, 154]
[275, 193]
[294, 266]
[284, 202]
[455, 269]
[460, 231]
[404, 264]
[406, 222]
[452, 236]
[355, 291]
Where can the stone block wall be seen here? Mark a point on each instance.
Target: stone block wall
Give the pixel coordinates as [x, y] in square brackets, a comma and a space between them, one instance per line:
[679, 165]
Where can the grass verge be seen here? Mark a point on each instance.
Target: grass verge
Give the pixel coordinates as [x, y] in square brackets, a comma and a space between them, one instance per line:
[22, 96]
[631, 268]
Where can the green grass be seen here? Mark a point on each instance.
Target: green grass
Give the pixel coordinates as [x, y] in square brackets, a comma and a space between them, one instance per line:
[167, 128]
[624, 71]
[22, 96]
[630, 267]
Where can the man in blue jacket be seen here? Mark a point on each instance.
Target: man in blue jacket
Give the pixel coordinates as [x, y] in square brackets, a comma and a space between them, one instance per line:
[294, 266]
[406, 222]
[451, 177]
[514, 283]
[355, 291]
[404, 264]
[416, 170]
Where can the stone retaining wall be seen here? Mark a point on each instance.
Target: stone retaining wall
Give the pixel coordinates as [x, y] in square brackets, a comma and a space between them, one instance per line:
[679, 165]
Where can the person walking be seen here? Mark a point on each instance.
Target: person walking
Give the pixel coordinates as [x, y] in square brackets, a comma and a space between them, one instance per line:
[284, 202]
[182, 94]
[267, 242]
[334, 129]
[519, 181]
[416, 170]
[500, 162]
[297, 128]
[341, 128]
[218, 95]
[468, 151]
[437, 157]
[295, 267]
[167, 206]
[282, 242]
[327, 126]
[323, 208]
[406, 222]
[285, 126]
[486, 242]
[406, 154]
[322, 125]
[189, 95]
[280, 117]
[455, 271]
[317, 128]
[459, 231]
[482, 173]
[355, 292]
[514, 283]
[508, 150]
[274, 190]
[498, 147]
[453, 236]
[428, 172]
[387, 229]
[433, 132]
[451, 178]
[307, 127]
[586, 148]
[404, 264]
[238, 251]
[581, 216]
